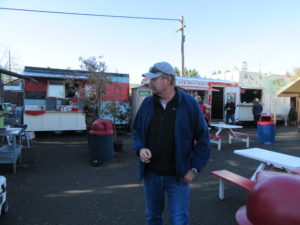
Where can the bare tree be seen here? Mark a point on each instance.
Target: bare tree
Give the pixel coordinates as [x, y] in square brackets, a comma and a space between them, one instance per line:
[94, 87]
[93, 64]
[296, 74]
[97, 81]
[8, 61]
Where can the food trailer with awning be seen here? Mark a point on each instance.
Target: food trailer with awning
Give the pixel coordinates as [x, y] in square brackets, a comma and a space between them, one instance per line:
[211, 91]
[55, 104]
[252, 85]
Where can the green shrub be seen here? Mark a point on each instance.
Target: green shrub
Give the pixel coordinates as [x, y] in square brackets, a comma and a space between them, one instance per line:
[292, 114]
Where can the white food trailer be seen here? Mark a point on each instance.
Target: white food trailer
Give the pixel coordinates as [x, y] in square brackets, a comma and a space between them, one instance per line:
[253, 85]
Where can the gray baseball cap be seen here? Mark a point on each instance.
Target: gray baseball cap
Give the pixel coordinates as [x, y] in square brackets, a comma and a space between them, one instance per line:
[159, 69]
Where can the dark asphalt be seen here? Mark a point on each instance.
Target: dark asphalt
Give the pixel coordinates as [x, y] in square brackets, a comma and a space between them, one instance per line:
[56, 185]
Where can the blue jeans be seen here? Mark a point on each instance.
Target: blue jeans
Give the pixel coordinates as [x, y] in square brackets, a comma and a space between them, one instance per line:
[155, 187]
[230, 116]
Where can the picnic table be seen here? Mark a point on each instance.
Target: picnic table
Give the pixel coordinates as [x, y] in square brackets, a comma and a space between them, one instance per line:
[217, 138]
[222, 126]
[285, 162]
[267, 157]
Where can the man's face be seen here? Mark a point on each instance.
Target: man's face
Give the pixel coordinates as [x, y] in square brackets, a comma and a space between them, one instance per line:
[158, 84]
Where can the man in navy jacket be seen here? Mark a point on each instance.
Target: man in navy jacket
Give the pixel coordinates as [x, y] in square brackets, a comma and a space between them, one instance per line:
[256, 111]
[171, 139]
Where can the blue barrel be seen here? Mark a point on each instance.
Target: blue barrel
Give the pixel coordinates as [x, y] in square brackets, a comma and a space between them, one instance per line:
[101, 141]
[266, 130]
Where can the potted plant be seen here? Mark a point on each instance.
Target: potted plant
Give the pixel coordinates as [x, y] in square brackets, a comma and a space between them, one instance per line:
[292, 116]
[118, 111]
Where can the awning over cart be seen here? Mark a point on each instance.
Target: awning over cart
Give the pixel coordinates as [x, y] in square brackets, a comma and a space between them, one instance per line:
[290, 90]
[197, 88]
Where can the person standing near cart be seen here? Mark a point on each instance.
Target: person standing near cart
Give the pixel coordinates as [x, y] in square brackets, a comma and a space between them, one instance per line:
[202, 107]
[256, 111]
[230, 111]
[171, 139]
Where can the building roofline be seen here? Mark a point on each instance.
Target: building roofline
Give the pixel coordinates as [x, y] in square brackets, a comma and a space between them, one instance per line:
[37, 71]
[13, 74]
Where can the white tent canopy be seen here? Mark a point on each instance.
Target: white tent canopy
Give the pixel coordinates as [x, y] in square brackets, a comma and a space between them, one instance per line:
[290, 90]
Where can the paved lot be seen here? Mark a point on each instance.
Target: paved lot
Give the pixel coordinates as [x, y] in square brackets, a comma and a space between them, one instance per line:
[56, 185]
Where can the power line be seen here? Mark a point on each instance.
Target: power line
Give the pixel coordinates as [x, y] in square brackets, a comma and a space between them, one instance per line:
[154, 44]
[111, 16]
[87, 14]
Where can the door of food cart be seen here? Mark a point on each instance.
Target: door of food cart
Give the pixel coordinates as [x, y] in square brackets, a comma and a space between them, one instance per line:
[234, 94]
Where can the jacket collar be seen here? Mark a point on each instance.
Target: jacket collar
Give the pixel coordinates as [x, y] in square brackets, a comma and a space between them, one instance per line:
[174, 99]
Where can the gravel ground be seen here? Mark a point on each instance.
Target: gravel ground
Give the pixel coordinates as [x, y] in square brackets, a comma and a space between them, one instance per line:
[56, 185]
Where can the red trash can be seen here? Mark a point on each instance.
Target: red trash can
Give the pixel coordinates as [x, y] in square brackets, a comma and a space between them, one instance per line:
[101, 141]
[266, 130]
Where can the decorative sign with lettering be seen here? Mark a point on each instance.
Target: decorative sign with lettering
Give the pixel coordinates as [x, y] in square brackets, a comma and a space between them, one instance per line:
[189, 82]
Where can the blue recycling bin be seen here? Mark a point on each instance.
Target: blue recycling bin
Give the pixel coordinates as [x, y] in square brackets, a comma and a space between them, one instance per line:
[266, 130]
[101, 141]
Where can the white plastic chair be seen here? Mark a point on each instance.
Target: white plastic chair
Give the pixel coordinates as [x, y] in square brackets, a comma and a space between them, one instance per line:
[25, 134]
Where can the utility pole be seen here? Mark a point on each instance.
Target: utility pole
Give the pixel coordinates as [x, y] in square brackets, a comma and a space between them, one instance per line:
[9, 78]
[9, 61]
[182, 26]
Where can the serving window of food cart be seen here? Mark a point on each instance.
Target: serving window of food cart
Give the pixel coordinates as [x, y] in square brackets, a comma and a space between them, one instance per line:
[248, 95]
[56, 89]
[62, 96]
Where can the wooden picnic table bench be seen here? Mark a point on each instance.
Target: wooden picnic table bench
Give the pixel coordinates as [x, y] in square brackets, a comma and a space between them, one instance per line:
[233, 178]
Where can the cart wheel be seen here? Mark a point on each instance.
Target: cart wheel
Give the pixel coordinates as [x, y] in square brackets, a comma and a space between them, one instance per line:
[4, 209]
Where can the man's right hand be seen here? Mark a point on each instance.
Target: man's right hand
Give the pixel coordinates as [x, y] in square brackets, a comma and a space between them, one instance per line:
[145, 155]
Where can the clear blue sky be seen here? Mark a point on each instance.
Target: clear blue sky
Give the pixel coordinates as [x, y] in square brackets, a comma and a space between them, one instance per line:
[219, 34]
